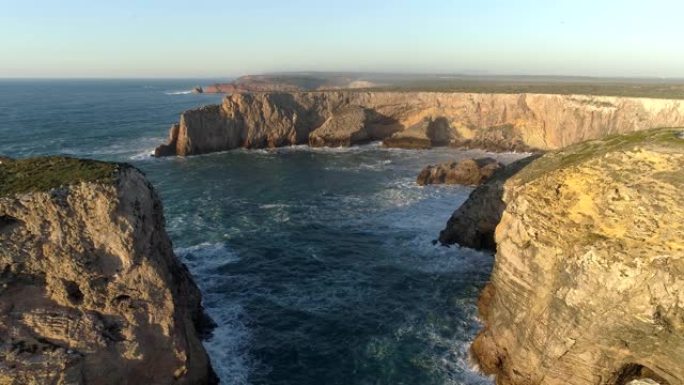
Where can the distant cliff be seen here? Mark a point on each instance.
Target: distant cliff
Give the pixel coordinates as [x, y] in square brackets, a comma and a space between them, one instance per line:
[587, 287]
[90, 290]
[414, 120]
[292, 82]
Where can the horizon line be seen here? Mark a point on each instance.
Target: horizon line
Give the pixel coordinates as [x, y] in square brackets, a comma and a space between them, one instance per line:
[314, 72]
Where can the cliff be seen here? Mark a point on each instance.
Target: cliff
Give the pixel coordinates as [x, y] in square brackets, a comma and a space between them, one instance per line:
[413, 119]
[587, 286]
[292, 82]
[473, 223]
[90, 290]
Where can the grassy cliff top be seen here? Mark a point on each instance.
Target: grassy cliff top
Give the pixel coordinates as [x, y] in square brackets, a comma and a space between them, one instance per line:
[666, 140]
[45, 173]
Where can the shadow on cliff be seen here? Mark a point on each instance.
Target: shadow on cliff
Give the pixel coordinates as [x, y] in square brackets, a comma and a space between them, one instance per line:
[429, 132]
[379, 126]
[499, 138]
[474, 222]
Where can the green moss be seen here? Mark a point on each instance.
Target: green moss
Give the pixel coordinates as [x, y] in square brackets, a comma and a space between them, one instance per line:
[45, 173]
[661, 139]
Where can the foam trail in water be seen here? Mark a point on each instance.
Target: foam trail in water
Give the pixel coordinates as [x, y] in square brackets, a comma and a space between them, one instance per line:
[227, 346]
[186, 92]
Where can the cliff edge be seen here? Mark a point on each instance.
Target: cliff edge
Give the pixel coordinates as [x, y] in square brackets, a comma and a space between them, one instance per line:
[473, 223]
[501, 122]
[90, 290]
[588, 283]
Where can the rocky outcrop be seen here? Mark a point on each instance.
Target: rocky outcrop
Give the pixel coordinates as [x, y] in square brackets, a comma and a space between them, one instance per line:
[90, 290]
[587, 286]
[414, 119]
[472, 172]
[473, 223]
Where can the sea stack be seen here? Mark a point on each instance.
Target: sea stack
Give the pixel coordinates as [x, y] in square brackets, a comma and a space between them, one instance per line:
[91, 292]
[588, 283]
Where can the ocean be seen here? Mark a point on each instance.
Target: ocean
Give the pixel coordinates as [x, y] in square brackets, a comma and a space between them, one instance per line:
[317, 265]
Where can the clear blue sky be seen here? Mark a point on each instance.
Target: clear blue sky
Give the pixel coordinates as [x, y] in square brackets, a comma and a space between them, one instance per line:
[208, 38]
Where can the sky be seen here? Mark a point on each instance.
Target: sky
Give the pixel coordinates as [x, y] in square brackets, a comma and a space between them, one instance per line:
[226, 38]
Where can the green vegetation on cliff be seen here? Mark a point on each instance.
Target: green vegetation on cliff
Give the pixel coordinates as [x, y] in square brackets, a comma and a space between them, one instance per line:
[45, 173]
[660, 138]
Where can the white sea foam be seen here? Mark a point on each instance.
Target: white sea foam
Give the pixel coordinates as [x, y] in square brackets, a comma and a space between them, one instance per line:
[135, 149]
[206, 257]
[269, 206]
[185, 92]
[228, 344]
[143, 155]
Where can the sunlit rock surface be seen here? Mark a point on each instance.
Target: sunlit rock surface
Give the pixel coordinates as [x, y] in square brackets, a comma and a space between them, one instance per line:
[501, 122]
[588, 283]
[90, 290]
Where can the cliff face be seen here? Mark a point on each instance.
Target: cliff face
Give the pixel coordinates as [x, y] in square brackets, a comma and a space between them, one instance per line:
[473, 223]
[91, 292]
[588, 283]
[414, 119]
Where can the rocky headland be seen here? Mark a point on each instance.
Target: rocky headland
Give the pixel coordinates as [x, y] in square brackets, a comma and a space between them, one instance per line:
[471, 172]
[503, 122]
[287, 83]
[90, 290]
[473, 223]
[588, 281]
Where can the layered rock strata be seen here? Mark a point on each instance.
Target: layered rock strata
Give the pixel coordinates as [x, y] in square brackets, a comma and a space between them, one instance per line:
[588, 283]
[413, 119]
[473, 223]
[472, 172]
[90, 290]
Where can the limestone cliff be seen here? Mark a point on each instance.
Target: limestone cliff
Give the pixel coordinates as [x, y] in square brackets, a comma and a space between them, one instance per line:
[588, 282]
[90, 290]
[414, 119]
[473, 223]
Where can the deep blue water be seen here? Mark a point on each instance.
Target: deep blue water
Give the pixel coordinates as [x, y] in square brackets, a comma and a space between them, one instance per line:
[317, 265]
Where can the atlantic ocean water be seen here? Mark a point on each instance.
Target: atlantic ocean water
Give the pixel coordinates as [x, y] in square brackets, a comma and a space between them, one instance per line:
[317, 265]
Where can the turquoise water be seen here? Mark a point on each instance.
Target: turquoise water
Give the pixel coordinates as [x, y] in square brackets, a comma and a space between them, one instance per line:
[317, 265]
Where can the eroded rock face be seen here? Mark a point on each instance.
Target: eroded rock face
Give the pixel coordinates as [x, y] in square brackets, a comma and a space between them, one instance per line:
[91, 292]
[587, 286]
[473, 223]
[472, 172]
[501, 122]
[346, 127]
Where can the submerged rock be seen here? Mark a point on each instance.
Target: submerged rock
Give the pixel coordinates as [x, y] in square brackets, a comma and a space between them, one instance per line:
[500, 122]
[90, 290]
[588, 283]
[473, 223]
[471, 172]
